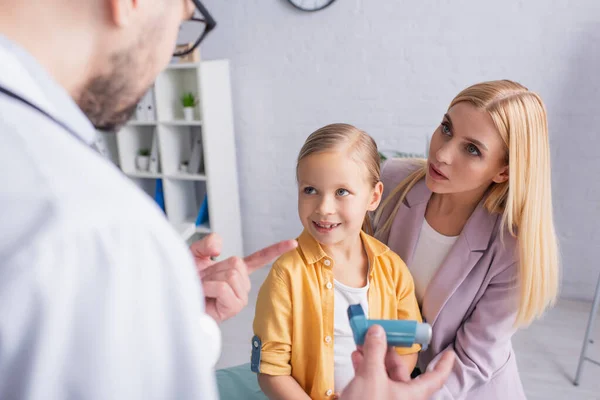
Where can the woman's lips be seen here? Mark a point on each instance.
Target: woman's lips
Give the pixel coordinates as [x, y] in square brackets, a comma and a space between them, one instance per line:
[436, 173]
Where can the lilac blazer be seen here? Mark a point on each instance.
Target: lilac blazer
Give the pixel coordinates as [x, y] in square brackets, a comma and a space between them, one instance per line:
[471, 301]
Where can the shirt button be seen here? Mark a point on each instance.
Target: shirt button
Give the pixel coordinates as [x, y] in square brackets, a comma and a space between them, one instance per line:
[327, 263]
[255, 343]
[328, 339]
[329, 285]
[329, 392]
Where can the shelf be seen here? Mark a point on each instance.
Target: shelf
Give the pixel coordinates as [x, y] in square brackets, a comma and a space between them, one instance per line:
[170, 86]
[182, 123]
[185, 229]
[203, 229]
[211, 184]
[183, 65]
[130, 140]
[183, 203]
[147, 185]
[188, 228]
[177, 122]
[187, 177]
[147, 175]
[142, 123]
[177, 144]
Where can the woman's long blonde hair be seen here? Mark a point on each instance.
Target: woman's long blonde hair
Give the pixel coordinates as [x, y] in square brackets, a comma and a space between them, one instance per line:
[360, 147]
[525, 200]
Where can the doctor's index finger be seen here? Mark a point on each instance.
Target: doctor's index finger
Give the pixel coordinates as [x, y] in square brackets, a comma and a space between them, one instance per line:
[264, 256]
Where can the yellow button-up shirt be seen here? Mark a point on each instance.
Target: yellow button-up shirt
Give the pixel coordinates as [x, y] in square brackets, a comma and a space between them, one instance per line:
[294, 310]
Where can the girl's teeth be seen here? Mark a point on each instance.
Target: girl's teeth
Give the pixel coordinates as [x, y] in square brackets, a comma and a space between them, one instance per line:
[327, 226]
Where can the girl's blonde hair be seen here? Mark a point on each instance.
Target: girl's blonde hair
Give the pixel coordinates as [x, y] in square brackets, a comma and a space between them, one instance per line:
[525, 200]
[344, 137]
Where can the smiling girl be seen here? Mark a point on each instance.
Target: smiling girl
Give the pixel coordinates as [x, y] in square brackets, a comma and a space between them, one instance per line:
[303, 341]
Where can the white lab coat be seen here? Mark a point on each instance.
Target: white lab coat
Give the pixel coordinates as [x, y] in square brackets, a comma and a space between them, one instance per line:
[99, 298]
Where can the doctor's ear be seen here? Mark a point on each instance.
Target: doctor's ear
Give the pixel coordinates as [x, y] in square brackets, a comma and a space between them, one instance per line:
[120, 11]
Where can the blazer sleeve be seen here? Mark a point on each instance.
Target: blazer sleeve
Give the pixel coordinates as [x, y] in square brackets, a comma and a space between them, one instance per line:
[482, 343]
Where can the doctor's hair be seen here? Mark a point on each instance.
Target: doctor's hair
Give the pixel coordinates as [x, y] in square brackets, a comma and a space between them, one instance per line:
[524, 200]
[356, 143]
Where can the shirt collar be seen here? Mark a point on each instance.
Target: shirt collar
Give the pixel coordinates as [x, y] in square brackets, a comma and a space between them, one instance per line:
[479, 227]
[48, 94]
[313, 252]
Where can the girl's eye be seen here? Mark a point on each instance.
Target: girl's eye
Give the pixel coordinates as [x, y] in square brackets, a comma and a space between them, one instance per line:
[309, 190]
[473, 150]
[445, 128]
[342, 192]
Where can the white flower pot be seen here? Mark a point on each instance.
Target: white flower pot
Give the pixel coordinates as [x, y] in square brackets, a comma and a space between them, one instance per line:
[142, 162]
[188, 113]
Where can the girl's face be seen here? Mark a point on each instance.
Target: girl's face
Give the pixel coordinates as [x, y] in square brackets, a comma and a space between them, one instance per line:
[466, 153]
[334, 195]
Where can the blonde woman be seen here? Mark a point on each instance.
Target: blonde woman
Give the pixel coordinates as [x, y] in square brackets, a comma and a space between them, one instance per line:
[474, 225]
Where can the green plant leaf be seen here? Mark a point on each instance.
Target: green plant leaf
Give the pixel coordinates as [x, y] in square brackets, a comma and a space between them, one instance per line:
[188, 99]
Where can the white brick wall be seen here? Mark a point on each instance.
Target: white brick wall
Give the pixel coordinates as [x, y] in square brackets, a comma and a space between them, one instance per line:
[391, 67]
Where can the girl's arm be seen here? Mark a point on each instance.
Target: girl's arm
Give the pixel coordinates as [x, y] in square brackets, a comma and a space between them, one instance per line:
[405, 364]
[281, 387]
[273, 337]
[482, 343]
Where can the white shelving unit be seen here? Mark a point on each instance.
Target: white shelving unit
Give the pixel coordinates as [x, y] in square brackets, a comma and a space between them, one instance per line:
[184, 192]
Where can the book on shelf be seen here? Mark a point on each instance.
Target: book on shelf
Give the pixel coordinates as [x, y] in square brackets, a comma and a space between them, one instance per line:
[153, 164]
[195, 163]
[159, 195]
[203, 213]
[150, 105]
[146, 108]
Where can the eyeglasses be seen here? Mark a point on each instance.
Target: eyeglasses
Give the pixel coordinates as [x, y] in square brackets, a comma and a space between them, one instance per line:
[197, 27]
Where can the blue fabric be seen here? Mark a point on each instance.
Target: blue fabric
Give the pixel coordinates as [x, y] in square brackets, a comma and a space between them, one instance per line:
[255, 359]
[238, 382]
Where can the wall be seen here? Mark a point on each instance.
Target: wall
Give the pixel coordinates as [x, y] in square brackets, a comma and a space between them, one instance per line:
[391, 67]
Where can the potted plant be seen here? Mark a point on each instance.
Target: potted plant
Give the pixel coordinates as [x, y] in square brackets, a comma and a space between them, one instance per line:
[387, 154]
[189, 101]
[142, 160]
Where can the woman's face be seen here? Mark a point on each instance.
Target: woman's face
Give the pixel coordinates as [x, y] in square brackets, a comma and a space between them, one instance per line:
[466, 153]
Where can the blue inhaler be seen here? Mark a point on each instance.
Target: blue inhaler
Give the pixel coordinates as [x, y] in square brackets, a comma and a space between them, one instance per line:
[399, 333]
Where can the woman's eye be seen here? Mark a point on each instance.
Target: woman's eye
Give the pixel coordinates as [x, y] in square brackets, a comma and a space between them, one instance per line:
[472, 149]
[342, 192]
[445, 128]
[309, 190]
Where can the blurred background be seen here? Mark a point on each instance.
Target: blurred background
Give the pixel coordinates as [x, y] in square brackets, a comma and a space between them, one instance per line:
[391, 68]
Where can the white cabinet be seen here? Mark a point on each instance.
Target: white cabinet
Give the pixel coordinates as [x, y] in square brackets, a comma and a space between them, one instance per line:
[206, 142]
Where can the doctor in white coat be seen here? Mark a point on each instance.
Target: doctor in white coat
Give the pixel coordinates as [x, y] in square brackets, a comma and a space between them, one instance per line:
[99, 298]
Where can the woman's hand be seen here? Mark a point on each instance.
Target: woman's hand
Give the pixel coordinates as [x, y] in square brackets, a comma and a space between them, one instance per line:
[371, 365]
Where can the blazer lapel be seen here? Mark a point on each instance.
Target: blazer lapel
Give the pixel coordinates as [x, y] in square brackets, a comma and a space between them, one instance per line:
[461, 259]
